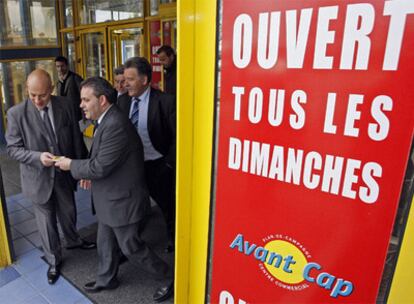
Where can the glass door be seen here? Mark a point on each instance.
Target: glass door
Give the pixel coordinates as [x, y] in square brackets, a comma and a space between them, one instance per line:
[126, 41]
[94, 53]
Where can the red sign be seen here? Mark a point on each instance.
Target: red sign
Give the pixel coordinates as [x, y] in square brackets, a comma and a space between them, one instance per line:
[315, 125]
[155, 44]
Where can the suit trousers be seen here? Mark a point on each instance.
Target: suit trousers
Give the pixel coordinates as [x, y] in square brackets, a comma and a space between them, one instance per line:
[111, 240]
[61, 204]
[161, 185]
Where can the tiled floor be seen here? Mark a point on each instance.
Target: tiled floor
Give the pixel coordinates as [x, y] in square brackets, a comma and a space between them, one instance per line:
[25, 280]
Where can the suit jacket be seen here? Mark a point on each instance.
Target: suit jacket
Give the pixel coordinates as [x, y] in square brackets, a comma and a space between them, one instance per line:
[27, 138]
[161, 122]
[170, 78]
[71, 91]
[116, 168]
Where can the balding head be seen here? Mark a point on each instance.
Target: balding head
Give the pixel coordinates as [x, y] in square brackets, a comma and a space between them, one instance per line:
[39, 88]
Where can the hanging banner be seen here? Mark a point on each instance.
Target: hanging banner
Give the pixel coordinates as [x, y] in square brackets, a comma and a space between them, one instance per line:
[315, 125]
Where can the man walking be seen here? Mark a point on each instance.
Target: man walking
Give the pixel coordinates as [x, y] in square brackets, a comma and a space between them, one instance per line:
[115, 170]
[167, 57]
[68, 84]
[153, 115]
[38, 130]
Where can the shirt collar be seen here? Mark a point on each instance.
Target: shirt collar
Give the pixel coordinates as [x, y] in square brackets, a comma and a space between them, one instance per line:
[103, 115]
[144, 95]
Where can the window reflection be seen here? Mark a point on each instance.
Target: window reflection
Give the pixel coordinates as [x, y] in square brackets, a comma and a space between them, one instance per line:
[95, 11]
[13, 78]
[95, 54]
[69, 43]
[24, 23]
[68, 13]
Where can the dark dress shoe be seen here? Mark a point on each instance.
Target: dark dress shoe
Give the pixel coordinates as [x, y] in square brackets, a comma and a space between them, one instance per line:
[53, 274]
[84, 245]
[92, 288]
[163, 293]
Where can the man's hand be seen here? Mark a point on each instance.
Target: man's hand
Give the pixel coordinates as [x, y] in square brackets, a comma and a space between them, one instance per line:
[63, 163]
[46, 159]
[85, 184]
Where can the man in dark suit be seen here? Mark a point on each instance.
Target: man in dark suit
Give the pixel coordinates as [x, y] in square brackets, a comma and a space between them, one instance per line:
[167, 57]
[68, 84]
[39, 129]
[116, 171]
[153, 115]
[119, 80]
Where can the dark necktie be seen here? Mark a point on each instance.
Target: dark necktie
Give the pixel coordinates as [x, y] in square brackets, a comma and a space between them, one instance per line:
[135, 112]
[95, 127]
[49, 130]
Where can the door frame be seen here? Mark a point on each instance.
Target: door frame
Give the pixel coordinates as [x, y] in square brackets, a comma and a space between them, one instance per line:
[82, 48]
[110, 53]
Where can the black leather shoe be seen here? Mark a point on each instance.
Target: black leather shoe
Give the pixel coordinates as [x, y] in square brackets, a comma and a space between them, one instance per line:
[163, 293]
[84, 245]
[92, 288]
[53, 274]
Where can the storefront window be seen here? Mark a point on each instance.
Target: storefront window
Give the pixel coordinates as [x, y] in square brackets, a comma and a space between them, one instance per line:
[13, 78]
[154, 7]
[25, 23]
[169, 33]
[95, 54]
[67, 13]
[95, 11]
[69, 43]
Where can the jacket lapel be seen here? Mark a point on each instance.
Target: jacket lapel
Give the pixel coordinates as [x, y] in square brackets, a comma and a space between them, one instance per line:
[152, 108]
[57, 114]
[97, 136]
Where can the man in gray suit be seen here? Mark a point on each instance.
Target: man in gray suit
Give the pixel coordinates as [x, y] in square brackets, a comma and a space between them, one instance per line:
[38, 130]
[115, 170]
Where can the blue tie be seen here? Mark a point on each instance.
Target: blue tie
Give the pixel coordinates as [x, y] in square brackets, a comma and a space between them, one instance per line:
[135, 112]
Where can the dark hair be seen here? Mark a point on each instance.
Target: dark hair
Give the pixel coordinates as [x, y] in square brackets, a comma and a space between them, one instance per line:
[168, 50]
[119, 70]
[62, 59]
[142, 66]
[100, 87]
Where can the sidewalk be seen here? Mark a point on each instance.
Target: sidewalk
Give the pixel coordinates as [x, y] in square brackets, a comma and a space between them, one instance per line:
[25, 281]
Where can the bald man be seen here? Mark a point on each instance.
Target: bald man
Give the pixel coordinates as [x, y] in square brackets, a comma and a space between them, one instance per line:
[38, 130]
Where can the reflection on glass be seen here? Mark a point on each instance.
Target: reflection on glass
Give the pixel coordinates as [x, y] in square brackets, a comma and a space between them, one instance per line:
[94, 11]
[154, 7]
[67, 13]
[13, 77]
[127, 43]
[27, 22]
[166, 1]
[69, 43]
[94, 48]
[169, 33]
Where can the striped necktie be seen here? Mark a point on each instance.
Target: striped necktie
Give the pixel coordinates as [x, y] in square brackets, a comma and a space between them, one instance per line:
[135, 112]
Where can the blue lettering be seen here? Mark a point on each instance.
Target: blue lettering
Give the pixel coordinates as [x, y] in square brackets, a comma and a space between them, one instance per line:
[261, 254]
[329, 280]
[278, 257]
[307, 269]
[340, 290]
[238, 241]
[288, 261]
[249, 249]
